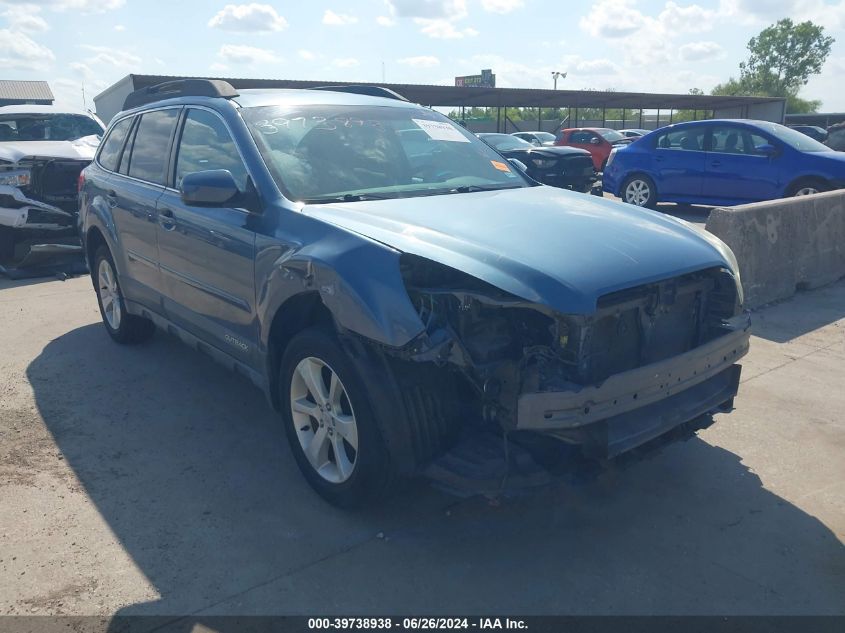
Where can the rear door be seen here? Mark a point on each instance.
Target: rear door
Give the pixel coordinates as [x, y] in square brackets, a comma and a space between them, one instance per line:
[133, 194]
[736, 170]
[207, 254]
[678, 162]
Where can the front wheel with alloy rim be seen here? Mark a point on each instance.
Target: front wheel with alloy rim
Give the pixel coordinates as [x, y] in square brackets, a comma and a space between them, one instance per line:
[329, 422]
[807, 188]
[639, 191]
[121, 326]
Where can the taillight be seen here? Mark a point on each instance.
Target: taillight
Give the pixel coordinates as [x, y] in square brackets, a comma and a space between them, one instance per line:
[80, 181]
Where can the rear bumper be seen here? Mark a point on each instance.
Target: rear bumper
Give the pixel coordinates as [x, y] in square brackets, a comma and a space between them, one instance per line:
[636, 406]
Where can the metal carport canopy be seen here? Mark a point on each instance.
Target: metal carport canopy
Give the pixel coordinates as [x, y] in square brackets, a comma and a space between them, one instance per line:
[501, 97]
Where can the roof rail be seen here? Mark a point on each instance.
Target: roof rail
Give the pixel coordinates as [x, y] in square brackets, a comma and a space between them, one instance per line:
[370, 91]
[180, 88]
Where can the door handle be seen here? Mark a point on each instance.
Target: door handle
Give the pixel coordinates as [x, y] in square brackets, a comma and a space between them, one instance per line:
[111, 199]
[659, 159]
[165, 219]
[716, 163]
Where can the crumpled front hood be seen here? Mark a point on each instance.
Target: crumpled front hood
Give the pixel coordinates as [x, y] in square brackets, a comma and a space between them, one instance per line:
[81, 149]
[546, 245]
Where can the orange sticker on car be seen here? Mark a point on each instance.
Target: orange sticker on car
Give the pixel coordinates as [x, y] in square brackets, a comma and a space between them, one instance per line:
[500, 166]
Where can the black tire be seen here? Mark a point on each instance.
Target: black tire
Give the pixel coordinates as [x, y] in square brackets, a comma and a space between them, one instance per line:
[806, 186]
[649, 201]
[128, 329]
[371, 475]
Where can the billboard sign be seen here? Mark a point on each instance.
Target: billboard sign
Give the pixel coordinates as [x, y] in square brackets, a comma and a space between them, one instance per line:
[485, 80]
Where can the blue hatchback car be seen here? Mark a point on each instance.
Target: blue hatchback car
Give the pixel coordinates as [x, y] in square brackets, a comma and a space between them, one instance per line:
[722, 162]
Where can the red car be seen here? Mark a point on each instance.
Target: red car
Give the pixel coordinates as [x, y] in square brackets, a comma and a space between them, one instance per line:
[596, 140]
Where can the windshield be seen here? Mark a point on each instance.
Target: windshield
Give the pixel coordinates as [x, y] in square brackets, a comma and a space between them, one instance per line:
[505, 142]
[793, 138]
[611, 135]
[47, 127]
[319, 153]
[544, 137]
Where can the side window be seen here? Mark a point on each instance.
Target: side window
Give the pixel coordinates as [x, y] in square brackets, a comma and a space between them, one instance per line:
[689, 139]
[206, 144]
[836, 140]
[731, 139]
[112, 146]
[581, 137]
[152, 142]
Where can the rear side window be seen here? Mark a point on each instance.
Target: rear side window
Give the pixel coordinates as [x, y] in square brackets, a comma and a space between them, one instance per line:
[152, 144]
[581, 137]
[689, 138]
[111, 147]
[206, 144]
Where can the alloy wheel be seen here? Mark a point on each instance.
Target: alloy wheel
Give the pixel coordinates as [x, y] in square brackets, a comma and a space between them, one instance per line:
[637, 192]
[109, 294]
[324, 420]
[806, 191]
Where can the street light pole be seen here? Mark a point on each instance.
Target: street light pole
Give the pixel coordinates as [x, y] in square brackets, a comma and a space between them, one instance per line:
[557, 74]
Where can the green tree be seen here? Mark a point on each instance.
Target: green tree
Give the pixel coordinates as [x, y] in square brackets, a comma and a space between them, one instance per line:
[783, 58]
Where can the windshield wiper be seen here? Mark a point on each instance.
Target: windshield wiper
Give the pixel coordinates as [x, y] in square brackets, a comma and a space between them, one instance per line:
[473, 188]
[348, 197]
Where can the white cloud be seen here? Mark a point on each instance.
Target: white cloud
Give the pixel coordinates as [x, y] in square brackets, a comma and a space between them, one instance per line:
[241, 54]
[830, 14]
[421, 61]
[429, 9]
[594, 67]
[384, 20]
[443, 29]
[83, 70]
[306, 55]
[248, 18]
[346, 62]
[119, 28]
[338, 19]
[701, 51]
[218, 67]
[689, 19]
[25, 18]
[502, 6]
[18, 51]
[612, 18]
[103, 55]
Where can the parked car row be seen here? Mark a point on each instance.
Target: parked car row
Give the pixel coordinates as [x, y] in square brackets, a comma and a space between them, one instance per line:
[722, 162]
[389, 301]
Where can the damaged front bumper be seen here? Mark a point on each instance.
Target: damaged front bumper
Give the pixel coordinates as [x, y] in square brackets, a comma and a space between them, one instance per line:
[36, 237]
[633, 407]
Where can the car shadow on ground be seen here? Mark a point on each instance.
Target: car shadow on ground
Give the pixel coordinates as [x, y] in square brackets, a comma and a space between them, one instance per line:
[188, 466]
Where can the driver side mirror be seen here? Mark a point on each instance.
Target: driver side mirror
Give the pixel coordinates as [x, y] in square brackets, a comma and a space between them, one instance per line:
[767, 150]
[594, 141]
[212, 188]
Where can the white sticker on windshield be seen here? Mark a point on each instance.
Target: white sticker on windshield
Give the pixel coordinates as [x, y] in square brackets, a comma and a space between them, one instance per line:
[440, 131]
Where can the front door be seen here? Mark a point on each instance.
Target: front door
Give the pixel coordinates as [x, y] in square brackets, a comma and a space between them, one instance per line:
[736, 170]
[207, 254]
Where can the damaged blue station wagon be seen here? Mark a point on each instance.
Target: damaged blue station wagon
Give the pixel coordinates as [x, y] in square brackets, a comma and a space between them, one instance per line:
[389, 279]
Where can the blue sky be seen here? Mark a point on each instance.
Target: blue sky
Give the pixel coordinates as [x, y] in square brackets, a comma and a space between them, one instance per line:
[641, 45]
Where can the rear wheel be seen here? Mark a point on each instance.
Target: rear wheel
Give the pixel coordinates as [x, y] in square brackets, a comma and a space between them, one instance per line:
[639, 191]
[122, 327]
[329, 422]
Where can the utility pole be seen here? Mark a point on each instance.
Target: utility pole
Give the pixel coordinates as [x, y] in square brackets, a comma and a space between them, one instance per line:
[557, 74]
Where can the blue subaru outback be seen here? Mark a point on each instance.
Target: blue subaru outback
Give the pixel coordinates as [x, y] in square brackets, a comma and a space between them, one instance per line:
[389, 293]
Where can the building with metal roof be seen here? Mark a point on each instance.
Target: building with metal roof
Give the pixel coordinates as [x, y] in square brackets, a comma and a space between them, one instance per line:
[14, 92]
[110, 101]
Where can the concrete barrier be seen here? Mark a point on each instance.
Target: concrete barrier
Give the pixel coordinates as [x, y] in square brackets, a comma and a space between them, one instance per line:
[784, 245]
